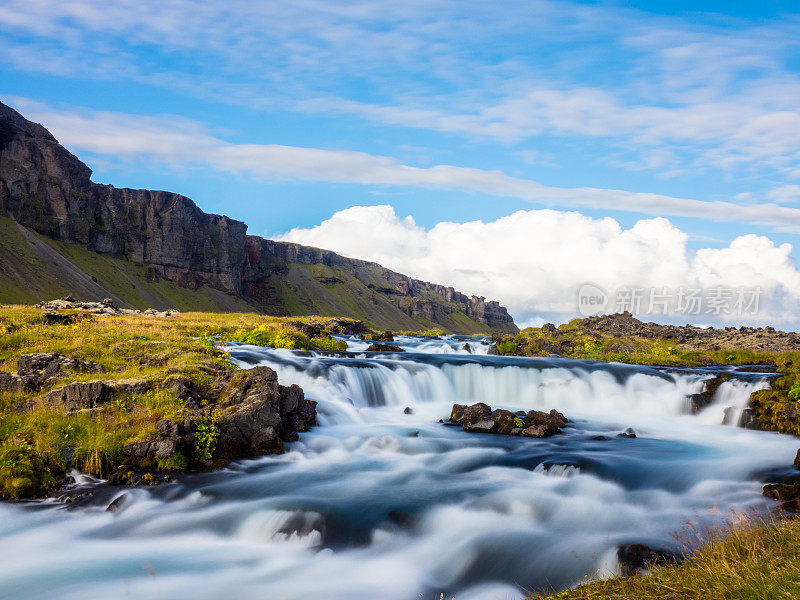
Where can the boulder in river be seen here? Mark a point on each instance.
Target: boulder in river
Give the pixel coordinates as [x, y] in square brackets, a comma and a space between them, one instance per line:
[787, 494]
[384, 348]
[699, 401]
[480, 418]
[638, 558]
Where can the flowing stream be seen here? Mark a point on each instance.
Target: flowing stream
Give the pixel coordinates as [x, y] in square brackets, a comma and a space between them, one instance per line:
[380, 504]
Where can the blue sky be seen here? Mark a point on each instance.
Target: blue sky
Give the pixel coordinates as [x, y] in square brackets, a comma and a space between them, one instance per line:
[282, 114]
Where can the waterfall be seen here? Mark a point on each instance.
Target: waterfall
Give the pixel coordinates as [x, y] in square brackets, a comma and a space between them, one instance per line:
[345, 382]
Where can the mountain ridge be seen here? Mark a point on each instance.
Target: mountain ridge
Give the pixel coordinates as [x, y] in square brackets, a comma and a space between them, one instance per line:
[158, 238]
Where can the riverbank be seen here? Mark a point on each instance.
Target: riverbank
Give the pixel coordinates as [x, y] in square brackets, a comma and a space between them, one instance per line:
[136, 397]
[751, 559]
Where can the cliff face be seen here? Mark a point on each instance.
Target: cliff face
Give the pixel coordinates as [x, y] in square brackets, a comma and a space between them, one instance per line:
[47, 189]
[44, 188]
[417, 299]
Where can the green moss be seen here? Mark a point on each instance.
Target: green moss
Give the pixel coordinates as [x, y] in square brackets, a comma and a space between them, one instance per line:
[264, 335]
[174, 462]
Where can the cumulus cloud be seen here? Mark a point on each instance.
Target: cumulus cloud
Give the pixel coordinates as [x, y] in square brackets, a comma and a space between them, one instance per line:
[534, 261]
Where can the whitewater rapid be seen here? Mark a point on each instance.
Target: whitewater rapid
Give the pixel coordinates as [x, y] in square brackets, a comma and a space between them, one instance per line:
[383, 501]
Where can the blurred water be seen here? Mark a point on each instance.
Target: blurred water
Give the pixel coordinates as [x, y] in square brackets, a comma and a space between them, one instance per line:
[377, 503]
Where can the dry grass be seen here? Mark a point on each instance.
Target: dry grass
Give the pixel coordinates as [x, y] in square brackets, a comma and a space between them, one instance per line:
[746, 560]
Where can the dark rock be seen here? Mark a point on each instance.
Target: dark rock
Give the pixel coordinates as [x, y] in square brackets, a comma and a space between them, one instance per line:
[81, 395]
[476, 418]
[386, 336]
[174, 437]
[117, 503]
[480, 418]
[408, 410]
[266, 415]
[797, 460]
[505, 421]
[54, 318]
[782, 491]
[548, 328]
[628, 433]
[10, 383]
[384, 348]
[310, 330]
[638, 558]
[457, 413]
[599, 438]
[482, 426]
[183, 387]
[345, 327]
[130, 387]
[620, 348]
[748, 419]
[42, 368]
[699, 401]
[492, 351]
[467, 348]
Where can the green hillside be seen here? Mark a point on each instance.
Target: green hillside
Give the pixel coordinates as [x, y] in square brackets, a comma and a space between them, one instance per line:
[37, 268]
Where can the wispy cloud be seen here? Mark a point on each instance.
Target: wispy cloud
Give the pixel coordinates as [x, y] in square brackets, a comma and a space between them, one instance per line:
[713, 95]
[184, 143]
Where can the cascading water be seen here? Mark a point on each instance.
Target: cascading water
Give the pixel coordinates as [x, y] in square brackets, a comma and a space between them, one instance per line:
[382, 501]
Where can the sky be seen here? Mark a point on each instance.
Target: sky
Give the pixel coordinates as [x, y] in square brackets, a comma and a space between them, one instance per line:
[515, 149]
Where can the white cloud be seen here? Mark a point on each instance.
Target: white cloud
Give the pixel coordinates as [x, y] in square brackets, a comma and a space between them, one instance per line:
[785, 193]
[710, 94]
[534, 261]
[184, 143]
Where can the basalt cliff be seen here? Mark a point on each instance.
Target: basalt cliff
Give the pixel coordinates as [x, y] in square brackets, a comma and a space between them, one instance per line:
[62, 233]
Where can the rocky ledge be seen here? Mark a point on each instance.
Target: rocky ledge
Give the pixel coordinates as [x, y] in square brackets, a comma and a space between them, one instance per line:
[251, 415]
[480, 418]
[41, 370]
[104, 307]
[254, 416]
[691, 337]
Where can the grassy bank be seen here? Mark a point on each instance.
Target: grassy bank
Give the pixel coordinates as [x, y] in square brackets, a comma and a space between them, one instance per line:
[39, 439]
[747, 561]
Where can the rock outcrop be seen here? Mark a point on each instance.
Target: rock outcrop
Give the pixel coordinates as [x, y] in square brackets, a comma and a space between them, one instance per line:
[701, 400]
[384, 348]
[255, 416]
[107, 306]
[261, 415]
[42, 369]
[635, 559]
[480, 418]
[757, 339]
[45, 188]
